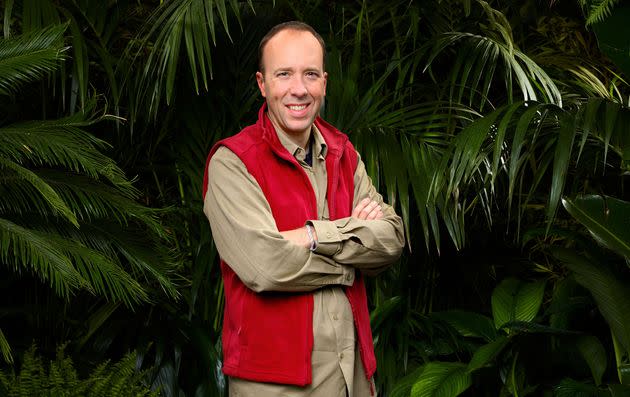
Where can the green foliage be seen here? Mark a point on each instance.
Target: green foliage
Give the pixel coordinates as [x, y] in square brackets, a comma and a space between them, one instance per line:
[597, 10]
[514, 300]
[80, 180]
[28, 57]
[475, 119]
[442, 379]
[605, 218]
[58, 377]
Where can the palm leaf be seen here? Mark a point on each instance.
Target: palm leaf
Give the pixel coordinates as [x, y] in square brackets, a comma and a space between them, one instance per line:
[26, 248]
[174, 24]
[29, 57]
[486, 53]
[62, 143]
[46, 192]
[5, 349]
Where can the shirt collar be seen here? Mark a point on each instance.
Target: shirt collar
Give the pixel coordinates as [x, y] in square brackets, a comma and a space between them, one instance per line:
[319, 145]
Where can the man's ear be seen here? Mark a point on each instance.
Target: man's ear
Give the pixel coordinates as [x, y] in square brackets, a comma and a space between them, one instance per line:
[261, 84]
[325, 81]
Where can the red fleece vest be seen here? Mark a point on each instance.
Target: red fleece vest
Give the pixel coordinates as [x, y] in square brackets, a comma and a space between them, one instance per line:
[268, 337]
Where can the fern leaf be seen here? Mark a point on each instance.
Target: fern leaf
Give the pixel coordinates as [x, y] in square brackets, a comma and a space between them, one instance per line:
[600, 10]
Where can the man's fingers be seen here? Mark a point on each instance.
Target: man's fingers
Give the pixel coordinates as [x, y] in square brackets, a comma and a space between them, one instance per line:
[374, 213]
[360, 207]
[366, 212]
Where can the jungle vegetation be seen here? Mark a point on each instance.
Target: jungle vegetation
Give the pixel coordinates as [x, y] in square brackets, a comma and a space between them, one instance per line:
[499, 130]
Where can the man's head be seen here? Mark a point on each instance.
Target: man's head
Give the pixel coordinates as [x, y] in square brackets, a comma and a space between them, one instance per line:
[291, 76]
[291, 25]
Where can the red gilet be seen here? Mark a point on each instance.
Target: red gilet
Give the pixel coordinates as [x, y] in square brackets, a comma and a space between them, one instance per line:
[268, 337]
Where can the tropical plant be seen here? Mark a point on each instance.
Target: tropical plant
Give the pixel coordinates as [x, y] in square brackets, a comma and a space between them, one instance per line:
[59, 377]
[69, 216]
[476, 119]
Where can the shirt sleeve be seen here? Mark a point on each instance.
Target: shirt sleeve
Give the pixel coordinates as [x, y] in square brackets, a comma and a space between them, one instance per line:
[369, 245]
[248, 240]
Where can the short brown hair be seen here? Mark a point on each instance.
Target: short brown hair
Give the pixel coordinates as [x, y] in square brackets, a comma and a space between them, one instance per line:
[291, 25]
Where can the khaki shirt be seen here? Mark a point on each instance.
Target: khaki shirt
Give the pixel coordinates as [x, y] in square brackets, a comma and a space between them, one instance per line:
[243, 229]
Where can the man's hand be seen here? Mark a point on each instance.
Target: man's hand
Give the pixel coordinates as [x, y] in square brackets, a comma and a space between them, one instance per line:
[368, 210]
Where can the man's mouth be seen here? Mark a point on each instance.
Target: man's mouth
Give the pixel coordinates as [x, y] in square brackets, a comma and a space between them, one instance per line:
[297, 107]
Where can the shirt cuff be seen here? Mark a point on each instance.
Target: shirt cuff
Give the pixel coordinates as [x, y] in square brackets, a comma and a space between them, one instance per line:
[348, 276]
[328, 237]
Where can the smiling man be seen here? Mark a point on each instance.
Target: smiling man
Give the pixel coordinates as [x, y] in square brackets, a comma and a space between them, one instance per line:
[298, 224]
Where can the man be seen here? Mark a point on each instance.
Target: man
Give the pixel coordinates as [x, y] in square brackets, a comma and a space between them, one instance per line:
[296, 222]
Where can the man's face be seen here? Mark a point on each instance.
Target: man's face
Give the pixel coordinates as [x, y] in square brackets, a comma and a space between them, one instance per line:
[294, 81]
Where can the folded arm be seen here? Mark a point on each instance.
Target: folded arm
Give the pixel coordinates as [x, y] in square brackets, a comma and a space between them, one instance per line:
[248, 240]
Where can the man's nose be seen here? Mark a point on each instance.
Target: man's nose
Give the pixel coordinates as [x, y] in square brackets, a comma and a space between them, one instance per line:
[298, 88]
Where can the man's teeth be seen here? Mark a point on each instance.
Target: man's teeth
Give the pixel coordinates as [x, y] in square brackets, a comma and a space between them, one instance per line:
[297, 107]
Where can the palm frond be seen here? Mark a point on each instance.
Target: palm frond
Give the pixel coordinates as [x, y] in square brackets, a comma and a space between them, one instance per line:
[530, 141]
[68, 264]
[5, 348]
[176, 24]
[92, 201]
[104, 275]
[29, 57]
[475, 66]
[62, 143]
[598, 10]
[147, 260]
[27, 249]
[47, 193]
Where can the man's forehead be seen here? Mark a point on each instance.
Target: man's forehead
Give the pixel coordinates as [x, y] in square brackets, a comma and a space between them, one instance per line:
[292, 37]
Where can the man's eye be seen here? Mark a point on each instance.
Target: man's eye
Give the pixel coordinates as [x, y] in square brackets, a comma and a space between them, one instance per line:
[282, 74]
[312, 75]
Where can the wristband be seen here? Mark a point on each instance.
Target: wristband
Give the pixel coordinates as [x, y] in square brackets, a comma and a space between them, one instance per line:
[309, 231]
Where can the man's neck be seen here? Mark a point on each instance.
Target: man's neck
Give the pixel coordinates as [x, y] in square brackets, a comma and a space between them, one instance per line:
[301, 140]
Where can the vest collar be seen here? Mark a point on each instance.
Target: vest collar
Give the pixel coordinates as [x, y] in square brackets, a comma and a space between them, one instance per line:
[334, 139]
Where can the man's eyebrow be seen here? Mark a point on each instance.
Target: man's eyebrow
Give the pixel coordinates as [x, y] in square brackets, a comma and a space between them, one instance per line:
[283, 69]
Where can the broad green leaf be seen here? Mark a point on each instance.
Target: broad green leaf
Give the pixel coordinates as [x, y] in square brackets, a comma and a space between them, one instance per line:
[402, 387]
[617, 390]
[610, 293]
[442, 379]
[572, 388]
[469, 324]
[594, 354]
[533, 328]
[606, 218]
[487, 353]
[515, 300]
[382, 311]
[561, 159]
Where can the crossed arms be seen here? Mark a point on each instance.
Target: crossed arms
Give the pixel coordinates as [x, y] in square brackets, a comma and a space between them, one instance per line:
[265, 259]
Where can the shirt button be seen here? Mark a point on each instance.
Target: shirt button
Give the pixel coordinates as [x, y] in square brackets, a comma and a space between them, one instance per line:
[341, 356]
[349, 276]
[329, 234]
[335, 317]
